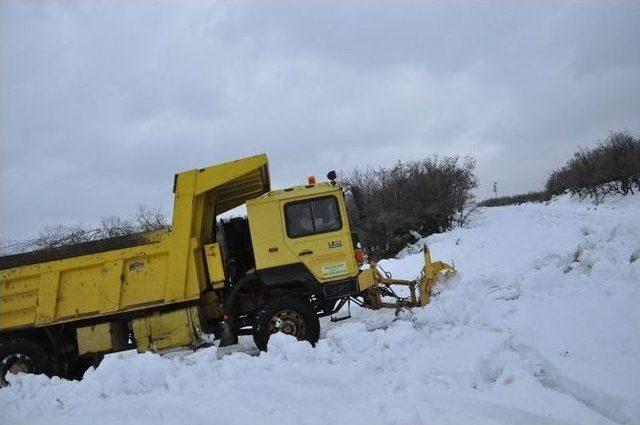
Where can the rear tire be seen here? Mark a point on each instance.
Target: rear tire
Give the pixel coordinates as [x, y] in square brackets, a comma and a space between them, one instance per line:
[288, 315]
[22, 355]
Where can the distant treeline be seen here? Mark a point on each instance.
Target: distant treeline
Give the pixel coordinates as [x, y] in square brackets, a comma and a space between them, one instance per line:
[611, 167]
[516, 199]
[145, 219]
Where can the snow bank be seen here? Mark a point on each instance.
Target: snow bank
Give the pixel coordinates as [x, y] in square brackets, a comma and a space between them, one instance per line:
[540, 326]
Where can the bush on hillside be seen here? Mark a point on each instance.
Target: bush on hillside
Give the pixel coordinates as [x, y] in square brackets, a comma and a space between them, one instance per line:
[612, 167]
[410, 198]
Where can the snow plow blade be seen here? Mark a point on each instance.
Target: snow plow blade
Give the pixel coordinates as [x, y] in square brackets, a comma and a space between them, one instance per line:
[376, 284]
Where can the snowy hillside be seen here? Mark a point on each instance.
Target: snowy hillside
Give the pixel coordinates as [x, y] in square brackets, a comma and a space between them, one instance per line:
[541, 325]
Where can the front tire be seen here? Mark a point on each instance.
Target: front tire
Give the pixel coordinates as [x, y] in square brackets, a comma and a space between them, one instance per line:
[78, 366]
[22, 355]
[289, 315]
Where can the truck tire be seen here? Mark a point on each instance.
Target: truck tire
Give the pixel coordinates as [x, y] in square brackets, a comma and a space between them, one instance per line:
[22, 355]
[288, 315]
[77, 367]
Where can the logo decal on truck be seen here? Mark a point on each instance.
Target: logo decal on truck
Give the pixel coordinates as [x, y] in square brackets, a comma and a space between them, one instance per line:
[335, 269]
[335, 244]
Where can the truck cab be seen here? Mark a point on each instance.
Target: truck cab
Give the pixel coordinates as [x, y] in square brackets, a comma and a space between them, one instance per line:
[294, 243]
[303, 232]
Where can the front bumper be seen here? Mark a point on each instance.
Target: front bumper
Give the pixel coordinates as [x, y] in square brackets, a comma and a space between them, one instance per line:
[340, 289]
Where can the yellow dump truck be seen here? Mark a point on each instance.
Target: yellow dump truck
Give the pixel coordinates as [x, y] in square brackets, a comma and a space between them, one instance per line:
[292, 260]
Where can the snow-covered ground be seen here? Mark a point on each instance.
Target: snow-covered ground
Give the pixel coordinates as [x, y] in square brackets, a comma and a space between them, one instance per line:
[540, 326]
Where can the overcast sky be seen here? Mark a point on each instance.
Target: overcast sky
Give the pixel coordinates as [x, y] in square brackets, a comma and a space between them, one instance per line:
[101, 103]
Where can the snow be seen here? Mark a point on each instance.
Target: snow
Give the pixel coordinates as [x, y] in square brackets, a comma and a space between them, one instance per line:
[540, 325]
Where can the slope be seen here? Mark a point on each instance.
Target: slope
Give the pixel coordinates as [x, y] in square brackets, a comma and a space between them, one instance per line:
[540, 326]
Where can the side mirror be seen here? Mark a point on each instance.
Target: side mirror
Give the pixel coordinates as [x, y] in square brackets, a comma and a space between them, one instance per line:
[331, 175]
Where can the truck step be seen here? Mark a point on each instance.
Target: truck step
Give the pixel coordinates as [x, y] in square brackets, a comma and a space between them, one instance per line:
[340, 319]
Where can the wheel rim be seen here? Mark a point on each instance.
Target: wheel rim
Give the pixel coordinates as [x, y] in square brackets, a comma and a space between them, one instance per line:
[288, 322]
[15, 363]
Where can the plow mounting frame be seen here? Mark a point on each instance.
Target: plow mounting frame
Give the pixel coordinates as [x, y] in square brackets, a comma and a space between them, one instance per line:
[375, 284]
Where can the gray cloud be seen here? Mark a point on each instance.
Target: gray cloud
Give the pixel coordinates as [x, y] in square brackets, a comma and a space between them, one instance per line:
[100, 103]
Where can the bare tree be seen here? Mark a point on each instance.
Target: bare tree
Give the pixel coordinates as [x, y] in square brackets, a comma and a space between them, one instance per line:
[148, 218]
[112, 226]
[55, 236]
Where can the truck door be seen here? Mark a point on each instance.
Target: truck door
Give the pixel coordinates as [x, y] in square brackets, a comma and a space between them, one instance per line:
[317, 233]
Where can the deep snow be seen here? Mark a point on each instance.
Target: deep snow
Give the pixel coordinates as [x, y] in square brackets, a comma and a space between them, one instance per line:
[540, 325]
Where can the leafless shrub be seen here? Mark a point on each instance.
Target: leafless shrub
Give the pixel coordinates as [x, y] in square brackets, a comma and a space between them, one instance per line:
[62, 234]
[612, 167]
[146, 219]
[112, 226]
[13, 246]
[463, 217]
[426, 196]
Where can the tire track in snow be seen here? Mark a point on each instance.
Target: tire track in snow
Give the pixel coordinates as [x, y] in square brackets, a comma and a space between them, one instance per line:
[613, 408]
[495, 411]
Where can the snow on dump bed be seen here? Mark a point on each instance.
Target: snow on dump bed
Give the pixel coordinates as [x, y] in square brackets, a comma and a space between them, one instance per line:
[540, 326]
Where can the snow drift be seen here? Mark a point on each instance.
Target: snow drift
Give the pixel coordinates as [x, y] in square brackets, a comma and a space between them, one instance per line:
[540, 325]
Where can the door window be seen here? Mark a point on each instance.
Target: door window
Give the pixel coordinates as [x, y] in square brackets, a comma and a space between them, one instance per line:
[312, 216]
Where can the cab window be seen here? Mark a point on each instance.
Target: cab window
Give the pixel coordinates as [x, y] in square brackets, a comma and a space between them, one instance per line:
[312, 216]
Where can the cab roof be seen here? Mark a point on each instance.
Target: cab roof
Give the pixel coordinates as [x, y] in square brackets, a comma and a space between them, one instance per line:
[296, 192]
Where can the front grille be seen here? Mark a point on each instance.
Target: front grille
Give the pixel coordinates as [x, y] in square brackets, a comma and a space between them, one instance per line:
[340, 289]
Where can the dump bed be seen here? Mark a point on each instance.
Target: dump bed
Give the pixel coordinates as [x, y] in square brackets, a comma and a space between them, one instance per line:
[166, 267]
[88, 285]
[77, 249]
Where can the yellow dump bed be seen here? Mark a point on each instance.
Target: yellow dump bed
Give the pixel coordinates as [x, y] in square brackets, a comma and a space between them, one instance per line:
[88, 285]
[165, 267]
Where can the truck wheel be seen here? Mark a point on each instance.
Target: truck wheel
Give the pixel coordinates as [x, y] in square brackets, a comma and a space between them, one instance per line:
[288, 315]
[22, 355]
[77, 367]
